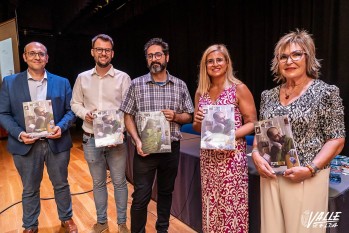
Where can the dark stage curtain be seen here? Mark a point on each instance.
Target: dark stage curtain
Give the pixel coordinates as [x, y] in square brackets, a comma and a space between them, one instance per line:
[249, 28]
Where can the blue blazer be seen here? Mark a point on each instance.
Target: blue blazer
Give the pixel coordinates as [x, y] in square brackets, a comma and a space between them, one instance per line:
[15, 91]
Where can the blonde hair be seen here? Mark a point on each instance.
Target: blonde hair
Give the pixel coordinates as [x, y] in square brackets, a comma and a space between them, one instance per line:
[204, 82]
[305, 41]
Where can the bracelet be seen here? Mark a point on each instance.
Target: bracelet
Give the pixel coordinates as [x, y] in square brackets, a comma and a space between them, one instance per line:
[316, 169]
[254, 150]
[312, 170]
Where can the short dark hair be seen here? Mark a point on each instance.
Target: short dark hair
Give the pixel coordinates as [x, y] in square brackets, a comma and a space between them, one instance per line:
[103, 37]
[157, 41]
[38, 109]
[106, 118]
[269, 131]
[216, 114]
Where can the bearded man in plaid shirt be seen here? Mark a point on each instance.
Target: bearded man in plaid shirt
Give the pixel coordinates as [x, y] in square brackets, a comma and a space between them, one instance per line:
[155, 91]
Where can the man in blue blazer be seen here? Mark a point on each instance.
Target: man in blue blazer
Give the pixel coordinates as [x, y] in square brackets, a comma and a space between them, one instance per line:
[29, 153]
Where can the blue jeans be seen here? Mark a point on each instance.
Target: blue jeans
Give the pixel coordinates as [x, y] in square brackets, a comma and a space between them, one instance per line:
[30, 167]
[165, 166]
[98, 158]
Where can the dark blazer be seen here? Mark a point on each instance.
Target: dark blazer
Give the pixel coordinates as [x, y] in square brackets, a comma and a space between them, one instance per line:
[15, 91]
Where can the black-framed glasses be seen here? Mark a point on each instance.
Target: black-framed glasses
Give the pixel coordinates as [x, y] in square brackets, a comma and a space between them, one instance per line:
[295, 56]
[157, 56]
[33, 54]
[100, 50]
[218, 61]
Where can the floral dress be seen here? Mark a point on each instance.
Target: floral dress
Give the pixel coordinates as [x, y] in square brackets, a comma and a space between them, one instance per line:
[224, 178]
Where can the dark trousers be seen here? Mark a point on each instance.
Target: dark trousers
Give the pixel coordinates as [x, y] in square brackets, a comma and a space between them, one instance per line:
[30, 167]
[165, 166]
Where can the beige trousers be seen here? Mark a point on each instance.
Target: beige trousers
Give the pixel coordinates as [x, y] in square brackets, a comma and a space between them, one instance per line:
[287, 206]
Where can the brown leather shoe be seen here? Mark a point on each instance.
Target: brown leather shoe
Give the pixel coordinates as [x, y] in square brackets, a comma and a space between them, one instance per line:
[31, 230]
[70, 226]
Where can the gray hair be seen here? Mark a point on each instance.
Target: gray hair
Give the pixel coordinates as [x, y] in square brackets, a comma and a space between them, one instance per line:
[157, 41]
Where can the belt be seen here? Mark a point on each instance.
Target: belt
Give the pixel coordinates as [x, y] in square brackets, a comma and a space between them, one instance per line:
[43, 139]
[89, 134]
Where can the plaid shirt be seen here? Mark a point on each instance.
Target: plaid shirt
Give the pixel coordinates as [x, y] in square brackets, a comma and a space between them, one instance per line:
[144, 95]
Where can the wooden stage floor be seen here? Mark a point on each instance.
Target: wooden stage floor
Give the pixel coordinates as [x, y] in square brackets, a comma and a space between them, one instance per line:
[83, 204]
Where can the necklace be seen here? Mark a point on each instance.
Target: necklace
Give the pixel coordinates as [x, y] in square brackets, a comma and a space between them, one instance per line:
[287, 95]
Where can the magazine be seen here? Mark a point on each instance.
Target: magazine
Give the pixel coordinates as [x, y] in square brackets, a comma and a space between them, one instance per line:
[154, 131]
[218, 127]
[108, 127]
[275, 143]
[38, 117]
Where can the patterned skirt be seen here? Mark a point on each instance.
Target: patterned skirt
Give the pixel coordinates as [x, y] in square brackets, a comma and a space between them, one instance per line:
[224, 182]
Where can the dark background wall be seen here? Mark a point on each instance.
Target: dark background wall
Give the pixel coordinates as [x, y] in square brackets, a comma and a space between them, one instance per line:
[249, 28]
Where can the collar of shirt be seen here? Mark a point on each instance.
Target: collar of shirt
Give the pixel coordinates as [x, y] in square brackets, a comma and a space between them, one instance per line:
[37, 88]
[149, 78]
[29, 77]
[111, 72]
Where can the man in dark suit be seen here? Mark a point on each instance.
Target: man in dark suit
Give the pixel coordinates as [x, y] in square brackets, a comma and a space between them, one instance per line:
[30, 154]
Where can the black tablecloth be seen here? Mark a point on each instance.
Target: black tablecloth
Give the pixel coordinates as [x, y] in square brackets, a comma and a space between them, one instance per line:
[186, 204]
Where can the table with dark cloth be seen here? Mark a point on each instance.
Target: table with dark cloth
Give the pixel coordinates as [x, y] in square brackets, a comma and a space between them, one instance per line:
[339, 202]
[186, 204]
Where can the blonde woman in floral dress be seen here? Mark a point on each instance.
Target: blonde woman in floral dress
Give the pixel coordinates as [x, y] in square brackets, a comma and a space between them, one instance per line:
[224, 173]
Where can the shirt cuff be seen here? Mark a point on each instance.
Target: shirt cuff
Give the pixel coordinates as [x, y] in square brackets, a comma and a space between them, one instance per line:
[19, 136]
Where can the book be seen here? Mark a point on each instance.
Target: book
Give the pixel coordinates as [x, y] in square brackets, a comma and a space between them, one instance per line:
[108, 127]
[154, 131]
[218, 127]
[38, 117]
[275, 143]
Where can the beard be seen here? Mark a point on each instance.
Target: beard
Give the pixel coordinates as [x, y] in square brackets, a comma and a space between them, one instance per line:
[103, 65]
[157, 67]
[282, 139]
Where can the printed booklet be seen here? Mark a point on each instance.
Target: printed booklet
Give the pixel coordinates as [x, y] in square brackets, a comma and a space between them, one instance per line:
[108, 127]
[275, 143]
[38, 117]
[154, 131]
[218, 127]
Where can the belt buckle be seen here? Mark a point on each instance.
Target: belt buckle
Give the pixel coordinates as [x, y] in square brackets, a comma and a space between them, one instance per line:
[89, 134]
[42, 139]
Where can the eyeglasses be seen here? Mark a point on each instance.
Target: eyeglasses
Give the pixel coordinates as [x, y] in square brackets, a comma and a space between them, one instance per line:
[295, 56]
[33, 54]
[157, 55]
[100, 50]
[218, 61]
